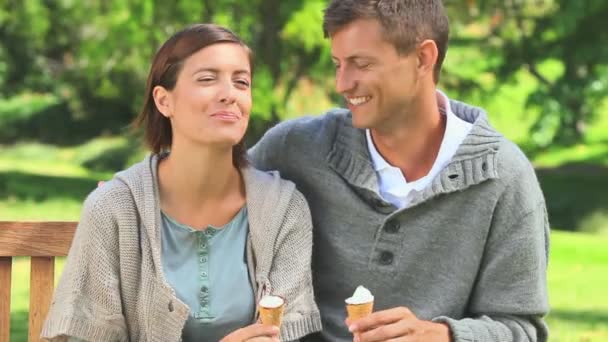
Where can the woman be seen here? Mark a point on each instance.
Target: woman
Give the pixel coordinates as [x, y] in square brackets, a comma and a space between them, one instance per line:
[184, 244]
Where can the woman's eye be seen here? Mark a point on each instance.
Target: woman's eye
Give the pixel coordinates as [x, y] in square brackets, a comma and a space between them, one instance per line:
[205, 79]
[243, 83]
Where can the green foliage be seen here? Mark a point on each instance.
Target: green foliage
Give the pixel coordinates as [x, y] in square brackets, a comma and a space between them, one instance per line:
[525, 36]
[93, 57]
[33, 116]
[310, 16]
[106, 154]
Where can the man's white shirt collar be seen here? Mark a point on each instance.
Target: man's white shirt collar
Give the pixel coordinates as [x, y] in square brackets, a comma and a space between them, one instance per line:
[392, 184]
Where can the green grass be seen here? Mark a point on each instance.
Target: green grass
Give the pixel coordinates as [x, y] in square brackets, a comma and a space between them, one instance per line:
[578, 272]
[43, 182]
[595, 154]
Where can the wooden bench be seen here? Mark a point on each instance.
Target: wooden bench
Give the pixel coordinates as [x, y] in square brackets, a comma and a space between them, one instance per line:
[42, 241]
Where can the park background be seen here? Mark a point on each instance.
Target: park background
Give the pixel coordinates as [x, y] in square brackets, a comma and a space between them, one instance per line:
[72, 75]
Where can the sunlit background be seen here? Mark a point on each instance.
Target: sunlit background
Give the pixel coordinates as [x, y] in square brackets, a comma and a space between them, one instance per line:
[72, 75]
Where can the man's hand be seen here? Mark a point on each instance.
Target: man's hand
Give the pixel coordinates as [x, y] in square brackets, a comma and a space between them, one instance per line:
[397, 324]
[254, 333]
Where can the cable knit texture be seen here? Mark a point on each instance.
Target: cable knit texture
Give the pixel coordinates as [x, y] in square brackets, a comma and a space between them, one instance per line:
[113, 289]
[470, 251]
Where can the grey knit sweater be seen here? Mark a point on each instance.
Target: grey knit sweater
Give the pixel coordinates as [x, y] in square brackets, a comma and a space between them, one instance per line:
[470, 251]
[113, 288]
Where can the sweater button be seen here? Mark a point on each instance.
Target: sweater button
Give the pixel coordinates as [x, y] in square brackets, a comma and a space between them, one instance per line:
[171, 306]
[392, 228]
[386, 258]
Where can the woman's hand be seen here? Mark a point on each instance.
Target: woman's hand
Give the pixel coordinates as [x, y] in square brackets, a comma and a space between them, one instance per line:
[254, 333]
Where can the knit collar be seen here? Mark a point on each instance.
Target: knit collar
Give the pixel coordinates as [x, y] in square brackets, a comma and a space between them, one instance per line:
[474, 161]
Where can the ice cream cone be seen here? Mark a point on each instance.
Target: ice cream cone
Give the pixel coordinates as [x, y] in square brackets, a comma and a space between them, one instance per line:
[271, 311]
[360, 304]
[356, 311]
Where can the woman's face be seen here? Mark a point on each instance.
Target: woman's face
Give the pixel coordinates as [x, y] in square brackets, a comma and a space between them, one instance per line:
[211, 101]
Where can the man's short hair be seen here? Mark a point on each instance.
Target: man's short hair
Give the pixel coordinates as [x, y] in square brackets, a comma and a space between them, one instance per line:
[405, 23]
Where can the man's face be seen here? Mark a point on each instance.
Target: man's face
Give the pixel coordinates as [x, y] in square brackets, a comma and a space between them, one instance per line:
[378, 84]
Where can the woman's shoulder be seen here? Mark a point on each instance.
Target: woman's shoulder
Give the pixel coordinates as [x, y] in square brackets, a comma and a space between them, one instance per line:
[118, 194]
[123, 186]
[104, 204]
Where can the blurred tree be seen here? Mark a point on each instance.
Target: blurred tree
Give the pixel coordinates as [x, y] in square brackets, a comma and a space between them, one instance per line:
[95, 55]
[566, 38]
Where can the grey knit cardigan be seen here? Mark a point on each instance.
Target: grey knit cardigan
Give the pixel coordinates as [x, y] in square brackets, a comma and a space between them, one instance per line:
[113, 288]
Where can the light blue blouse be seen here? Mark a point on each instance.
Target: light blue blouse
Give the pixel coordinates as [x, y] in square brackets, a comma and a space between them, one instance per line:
[208, 270]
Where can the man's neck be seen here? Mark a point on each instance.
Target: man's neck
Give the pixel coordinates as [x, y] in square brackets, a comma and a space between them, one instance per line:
[413, 146]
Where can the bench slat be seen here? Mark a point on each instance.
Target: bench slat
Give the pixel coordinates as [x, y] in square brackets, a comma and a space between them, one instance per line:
[41, 293]
[36, 238]
[5, 298]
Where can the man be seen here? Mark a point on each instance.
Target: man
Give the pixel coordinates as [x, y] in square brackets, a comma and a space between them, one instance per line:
[413, 196]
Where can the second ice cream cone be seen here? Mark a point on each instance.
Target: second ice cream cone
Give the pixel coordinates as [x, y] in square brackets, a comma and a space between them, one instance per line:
[360, 304]
[356, 311]
[271, 310]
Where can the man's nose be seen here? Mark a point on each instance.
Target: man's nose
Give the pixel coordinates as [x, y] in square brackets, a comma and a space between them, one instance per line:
[345, 81]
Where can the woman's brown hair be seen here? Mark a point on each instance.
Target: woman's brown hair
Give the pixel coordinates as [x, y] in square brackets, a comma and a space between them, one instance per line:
[166, 65]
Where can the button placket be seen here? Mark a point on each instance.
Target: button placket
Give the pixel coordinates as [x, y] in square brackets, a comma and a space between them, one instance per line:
[203, 258]
[392, 227]
[386, 258]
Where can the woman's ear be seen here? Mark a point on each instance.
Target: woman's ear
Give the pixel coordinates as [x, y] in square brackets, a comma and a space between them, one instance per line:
[427, 53]
[162, 99]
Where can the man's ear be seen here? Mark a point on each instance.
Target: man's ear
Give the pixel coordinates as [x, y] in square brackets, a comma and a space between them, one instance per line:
[162, 99]
[427, 54]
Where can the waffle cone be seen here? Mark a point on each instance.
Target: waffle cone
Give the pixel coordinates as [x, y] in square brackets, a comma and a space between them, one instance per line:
[356, 311]
[272, 316]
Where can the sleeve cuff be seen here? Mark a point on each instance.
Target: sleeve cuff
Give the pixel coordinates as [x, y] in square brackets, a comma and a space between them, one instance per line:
[293, 330]
[460, 332]
[80, 328]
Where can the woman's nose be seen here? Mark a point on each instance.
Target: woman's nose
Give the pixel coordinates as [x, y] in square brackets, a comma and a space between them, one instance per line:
[227, 93]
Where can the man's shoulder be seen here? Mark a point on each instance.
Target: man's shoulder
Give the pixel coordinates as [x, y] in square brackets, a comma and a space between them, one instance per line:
[512, 164]
[268, 180]
[483, 135]
[307, 132]
[313, 125]
[510, 156]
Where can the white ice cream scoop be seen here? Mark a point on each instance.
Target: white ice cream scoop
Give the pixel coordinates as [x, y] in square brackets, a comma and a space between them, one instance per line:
[361, 296]
[271, 302]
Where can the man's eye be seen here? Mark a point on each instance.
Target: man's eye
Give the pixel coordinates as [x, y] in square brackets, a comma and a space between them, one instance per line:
[205, 79]
[363, 65]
